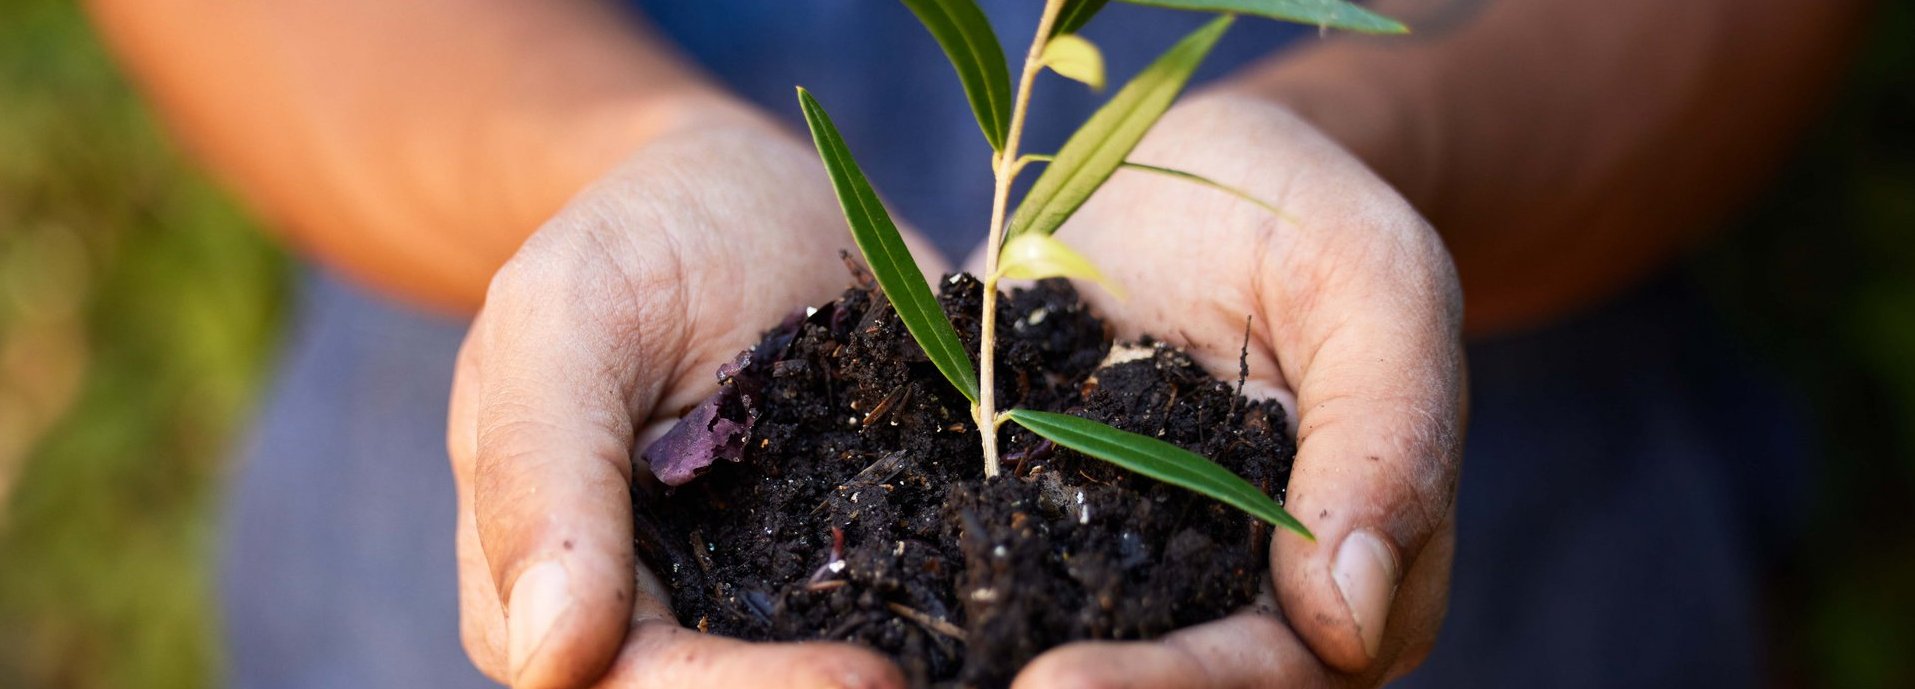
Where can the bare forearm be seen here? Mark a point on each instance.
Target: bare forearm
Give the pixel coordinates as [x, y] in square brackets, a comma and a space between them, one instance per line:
[1564, 147]
[413, 144]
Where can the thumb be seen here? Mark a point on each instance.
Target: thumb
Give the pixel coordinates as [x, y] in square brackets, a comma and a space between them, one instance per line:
[1378, 366]
[563, 374]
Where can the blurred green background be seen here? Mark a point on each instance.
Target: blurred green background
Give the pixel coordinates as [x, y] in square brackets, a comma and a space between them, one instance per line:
[139, 310]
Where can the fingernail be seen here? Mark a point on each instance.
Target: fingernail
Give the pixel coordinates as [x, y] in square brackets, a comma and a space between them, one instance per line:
[1365, 573]
[542, 594]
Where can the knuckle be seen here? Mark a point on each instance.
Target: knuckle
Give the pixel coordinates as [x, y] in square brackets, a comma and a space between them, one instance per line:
[510, 436]
[1189, 660]
[587, 275]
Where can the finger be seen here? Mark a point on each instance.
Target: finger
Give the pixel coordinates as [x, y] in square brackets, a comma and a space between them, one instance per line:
[481, 620]
[662, 655]
[1376, 356]
[564, 372]
[1241, 651]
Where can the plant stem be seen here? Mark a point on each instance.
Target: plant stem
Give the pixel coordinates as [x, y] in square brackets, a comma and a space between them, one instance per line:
[1004, 166]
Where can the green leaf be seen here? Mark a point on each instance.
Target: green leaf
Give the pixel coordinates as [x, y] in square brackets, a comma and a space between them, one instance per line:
[964, 33]
[1075, 15]
[1159, 460]
[1201, 180]
[1095, 151]
[1327, 14]
[1072, 57]
[1190, 177]
[890, 259]
[1039, 256]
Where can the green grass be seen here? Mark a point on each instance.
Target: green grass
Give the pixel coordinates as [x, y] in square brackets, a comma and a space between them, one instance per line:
[138, 309]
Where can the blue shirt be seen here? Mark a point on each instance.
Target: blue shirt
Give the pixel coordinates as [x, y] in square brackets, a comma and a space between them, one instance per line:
[890, 88]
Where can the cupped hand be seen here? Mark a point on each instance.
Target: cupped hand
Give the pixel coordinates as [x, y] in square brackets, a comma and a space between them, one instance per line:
[1356, 319]
[612, 317]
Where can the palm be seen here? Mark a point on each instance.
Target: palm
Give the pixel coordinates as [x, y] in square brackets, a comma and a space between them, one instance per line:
[1354, 323]
[612, 318]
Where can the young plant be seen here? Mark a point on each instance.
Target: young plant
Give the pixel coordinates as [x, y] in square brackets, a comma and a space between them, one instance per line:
[1023, 247]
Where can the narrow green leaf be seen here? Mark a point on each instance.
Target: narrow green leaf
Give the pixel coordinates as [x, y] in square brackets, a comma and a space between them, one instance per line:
[1075, 15]
[1327, 14]
[1072, 57]
[1039, 256]
[1201, 180]
[890, 259]
[965, 34]
[1093, 153]
[1159, 460]
[1190, 177]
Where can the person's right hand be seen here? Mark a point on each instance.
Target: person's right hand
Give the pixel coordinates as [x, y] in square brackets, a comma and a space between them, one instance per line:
[615, 315]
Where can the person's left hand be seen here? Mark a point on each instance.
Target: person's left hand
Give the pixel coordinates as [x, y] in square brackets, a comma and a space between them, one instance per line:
[1357, 326]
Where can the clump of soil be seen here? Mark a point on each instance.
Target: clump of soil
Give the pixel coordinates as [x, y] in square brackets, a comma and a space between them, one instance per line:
[858, 510]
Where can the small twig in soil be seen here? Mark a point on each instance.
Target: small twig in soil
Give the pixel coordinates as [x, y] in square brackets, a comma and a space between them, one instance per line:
[877, 473]
[1168, 404]
[1243, 366]
[843, 629]
[881, 470]
[868, 324]
[836, 563]
[818, 586]
[927, 621]
[699, 554]
[831, 388]
[859, 274]
[896, 398]
[1080, 473]
[1042, 449]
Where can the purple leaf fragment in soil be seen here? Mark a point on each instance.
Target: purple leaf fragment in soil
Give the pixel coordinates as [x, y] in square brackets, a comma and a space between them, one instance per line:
[703, 436]
[718, 427]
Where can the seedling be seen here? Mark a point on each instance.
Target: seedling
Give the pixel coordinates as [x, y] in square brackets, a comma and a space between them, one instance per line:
[1023, 247]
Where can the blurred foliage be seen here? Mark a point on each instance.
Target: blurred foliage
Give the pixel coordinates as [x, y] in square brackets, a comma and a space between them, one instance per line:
[1821, 274]
[137, 311]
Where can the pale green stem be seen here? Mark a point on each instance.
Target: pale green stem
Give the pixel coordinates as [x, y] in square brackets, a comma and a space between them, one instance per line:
[1004, 166]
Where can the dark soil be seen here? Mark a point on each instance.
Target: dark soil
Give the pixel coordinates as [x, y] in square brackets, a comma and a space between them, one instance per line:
[863, 456]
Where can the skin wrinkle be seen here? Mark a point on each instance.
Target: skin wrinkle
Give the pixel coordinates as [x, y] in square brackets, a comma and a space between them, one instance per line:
[514, 381]
[507, 447]
[1326, 414]
[653, 283]
[1407, 464]
[1181, 645]
[665, 289]
[689, 189]
[482, 641]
